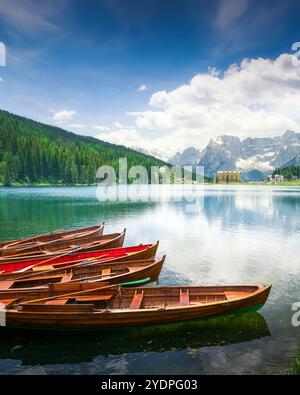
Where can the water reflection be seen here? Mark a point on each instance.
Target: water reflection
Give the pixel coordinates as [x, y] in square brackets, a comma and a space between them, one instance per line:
[45, 348]
[240, 235]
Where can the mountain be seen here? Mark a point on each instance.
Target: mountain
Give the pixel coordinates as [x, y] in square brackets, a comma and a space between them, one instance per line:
[188, 157]
[253, 175]
[31, 152]
[152, 152]
[295, 162]
[231, 153]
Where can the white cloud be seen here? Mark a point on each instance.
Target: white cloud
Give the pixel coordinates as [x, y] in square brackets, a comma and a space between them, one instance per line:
[258, 98]
[63, 116]
[142, 88]
[76, 126]
[118, 125]
[101, 128]
[128, 137]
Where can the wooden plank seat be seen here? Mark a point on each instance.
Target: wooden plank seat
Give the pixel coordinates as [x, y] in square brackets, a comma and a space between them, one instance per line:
[106, 272]
[184, 298]
[5, 285]
[232, 295]
[42, 268]
[137, 300]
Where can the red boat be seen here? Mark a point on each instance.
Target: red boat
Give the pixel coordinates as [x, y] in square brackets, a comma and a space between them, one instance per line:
[142, 251]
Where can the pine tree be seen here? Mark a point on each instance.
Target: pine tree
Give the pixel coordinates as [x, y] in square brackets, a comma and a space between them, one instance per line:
[7, 175]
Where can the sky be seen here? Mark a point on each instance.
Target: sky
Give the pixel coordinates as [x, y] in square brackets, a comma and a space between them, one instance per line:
[152, 74]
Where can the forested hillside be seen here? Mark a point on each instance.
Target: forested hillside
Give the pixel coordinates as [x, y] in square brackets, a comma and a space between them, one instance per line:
[31, 152]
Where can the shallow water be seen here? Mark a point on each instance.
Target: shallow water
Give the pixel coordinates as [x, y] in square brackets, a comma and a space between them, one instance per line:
[236, 235]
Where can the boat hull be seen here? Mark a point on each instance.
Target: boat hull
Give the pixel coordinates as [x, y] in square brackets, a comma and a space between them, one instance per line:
[93, 243]
[84, 233]
[87, 318]
[146, 272]
[124, 254]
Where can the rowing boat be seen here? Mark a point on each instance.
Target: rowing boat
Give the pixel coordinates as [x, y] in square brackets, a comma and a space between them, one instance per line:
[120, 307]
[142, 251]
[52, 248]
[52, 237]
[82, 278]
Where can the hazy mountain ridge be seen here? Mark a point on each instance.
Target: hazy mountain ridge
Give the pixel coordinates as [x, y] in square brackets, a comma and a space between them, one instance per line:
[231, 153]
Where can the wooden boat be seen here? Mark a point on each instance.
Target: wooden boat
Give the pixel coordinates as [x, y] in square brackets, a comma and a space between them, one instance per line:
[135, 273]
[120, 307]
[83, 233]
[52, 248]
[142, 251]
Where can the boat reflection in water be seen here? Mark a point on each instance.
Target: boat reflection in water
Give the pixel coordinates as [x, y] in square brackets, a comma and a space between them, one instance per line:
[45, 348]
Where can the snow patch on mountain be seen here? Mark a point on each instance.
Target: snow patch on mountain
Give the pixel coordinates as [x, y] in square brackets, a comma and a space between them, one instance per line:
[230, 153]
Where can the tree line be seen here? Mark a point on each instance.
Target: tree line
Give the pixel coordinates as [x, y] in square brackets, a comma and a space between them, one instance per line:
[31, 153]
[288, 172]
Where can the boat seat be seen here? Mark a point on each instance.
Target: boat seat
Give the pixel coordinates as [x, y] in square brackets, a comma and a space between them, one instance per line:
[137, 300]
[106, 272]
[232, 295]
[42, 268]
[184, 298]
[5, 285]
[57, 302]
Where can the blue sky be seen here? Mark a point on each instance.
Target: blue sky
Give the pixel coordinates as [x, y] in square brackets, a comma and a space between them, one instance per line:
[121, 69]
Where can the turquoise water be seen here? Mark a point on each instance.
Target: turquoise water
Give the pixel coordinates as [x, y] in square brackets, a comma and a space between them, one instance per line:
[236, 235]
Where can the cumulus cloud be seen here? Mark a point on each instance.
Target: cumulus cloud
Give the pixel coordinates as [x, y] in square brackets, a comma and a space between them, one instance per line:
[142, 88]
[129, 137]
[76, 126]
[256, 98]
[101, 128]
[118, 125]
[63, 116]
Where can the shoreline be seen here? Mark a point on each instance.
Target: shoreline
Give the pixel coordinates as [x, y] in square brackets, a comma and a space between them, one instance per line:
[262, 184]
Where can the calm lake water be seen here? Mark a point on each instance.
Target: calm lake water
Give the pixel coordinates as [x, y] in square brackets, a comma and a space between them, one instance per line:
[236, 235]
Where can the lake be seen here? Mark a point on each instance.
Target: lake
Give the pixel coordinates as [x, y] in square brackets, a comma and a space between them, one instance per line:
[237, 235]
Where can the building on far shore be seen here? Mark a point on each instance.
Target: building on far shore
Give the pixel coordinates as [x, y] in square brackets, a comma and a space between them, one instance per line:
[276, 178]
[228, 176]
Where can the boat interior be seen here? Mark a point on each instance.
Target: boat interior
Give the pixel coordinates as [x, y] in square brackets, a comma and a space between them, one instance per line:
[64, 245]
[87, 273]
[64, 261]
[116, 298]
